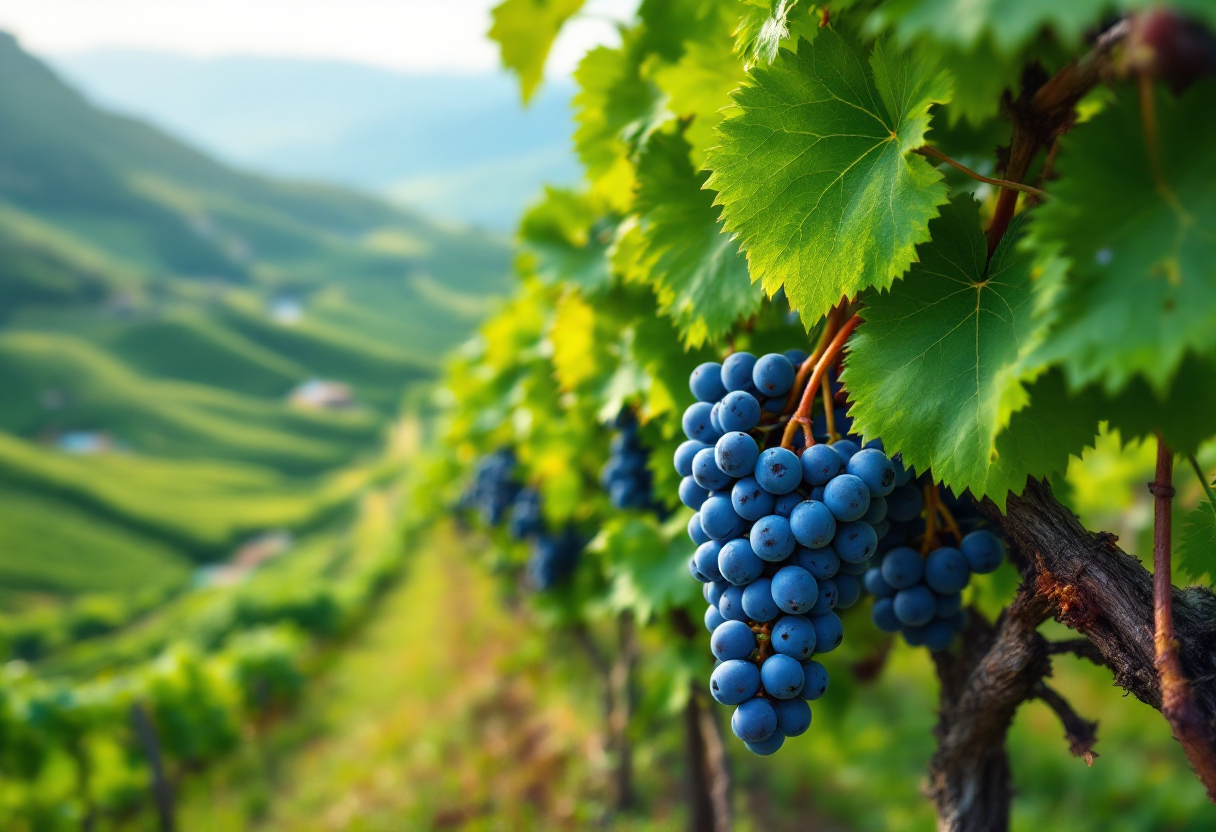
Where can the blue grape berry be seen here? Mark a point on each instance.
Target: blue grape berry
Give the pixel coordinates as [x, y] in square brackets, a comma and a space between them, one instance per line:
[730, 605]
[796, 357]
[778, 471]
[984, 551]
[939, 634]
[737, 372]
[782, 676]
[684, 455]
[827, 597]
[697, 424]
[767, 748]
[784, 505]
[904, 503]
[732, 640]
[873, 468]
[875, 585]
[772, 539]
[884, 616]
[706, 382]
[829, 632]
[848, 590]
[773, 375]
[740, 411]
[794, 636]
[738, 563]
[691, 494]
[713, 618]
[793, 715]
[946, 571]
[758, 601]
[793, 589]
[718, 518]
[847, 497]
[734, 682]
[877, 512]
[819, 464]
[855, 542]
[821, 563]
[705, 470]
[695, 531]
[812, 524]
[915, 606]
[750, 501]
[816, 680]
[902, 567]
[755, 720]
[706, 560]
[845, 448]
[736, 454]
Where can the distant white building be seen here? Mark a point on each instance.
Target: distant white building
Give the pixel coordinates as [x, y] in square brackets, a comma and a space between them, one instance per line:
[318, 394]
[84, 442]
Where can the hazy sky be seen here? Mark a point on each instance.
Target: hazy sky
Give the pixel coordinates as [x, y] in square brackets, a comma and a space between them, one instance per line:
[426, 35]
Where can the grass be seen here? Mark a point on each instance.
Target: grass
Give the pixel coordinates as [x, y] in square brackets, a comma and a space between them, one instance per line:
[50, 545]
[454, 710]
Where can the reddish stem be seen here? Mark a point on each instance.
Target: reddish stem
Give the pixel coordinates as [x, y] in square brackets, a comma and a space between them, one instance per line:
[802, 415]
[1177, 702]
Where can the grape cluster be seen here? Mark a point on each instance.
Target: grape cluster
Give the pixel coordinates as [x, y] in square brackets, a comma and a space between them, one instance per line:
[494, 489]
[625, 475]
[554, 558]
[782, 540]
[921, 597]
[496, 496]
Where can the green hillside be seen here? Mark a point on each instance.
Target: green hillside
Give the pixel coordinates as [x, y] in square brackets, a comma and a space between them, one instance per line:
[157, 309]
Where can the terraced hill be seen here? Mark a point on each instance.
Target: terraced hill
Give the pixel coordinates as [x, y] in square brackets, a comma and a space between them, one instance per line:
[157, 309]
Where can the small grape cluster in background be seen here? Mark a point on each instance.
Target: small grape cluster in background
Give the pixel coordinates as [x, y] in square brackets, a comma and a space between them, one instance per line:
[781, 539]
[496, 496]
[918, 591]
[625, 476]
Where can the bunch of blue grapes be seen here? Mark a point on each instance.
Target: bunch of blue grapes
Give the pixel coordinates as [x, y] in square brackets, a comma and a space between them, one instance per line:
[494, 488]
[921, 596]
[553, 558]
[782, 539]
[497, 497]
[625, 475]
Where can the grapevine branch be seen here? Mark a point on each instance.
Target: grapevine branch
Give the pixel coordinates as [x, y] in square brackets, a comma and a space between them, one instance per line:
[1177, 702]
[1081, 733]
[934, 153]
[801, 416]
[1090, 585]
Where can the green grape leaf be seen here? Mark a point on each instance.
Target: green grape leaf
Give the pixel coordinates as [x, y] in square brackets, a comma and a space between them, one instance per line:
[565, 238]
[934, 370]
[815, 173]
[1183, 414]
[1197, 545]
[648, 570]
[525, 31]
[767, 25]
[699, 275]
[1141, 250]
[1009, 25]
[616, 107]
[699, 84]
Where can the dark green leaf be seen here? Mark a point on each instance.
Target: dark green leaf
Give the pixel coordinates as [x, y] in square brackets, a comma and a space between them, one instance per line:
[565, 238]
[934, 370]
[1141, 251]
[816, 175]
[699, 275]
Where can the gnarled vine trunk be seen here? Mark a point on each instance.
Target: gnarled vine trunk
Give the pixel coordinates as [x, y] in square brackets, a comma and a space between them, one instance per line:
[1085, 581]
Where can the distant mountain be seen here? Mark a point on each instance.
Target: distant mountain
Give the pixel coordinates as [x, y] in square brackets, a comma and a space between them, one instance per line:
[456, 147]
[157, 310]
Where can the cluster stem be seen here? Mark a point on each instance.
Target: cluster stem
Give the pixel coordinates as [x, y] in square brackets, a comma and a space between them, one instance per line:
[801, 417]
